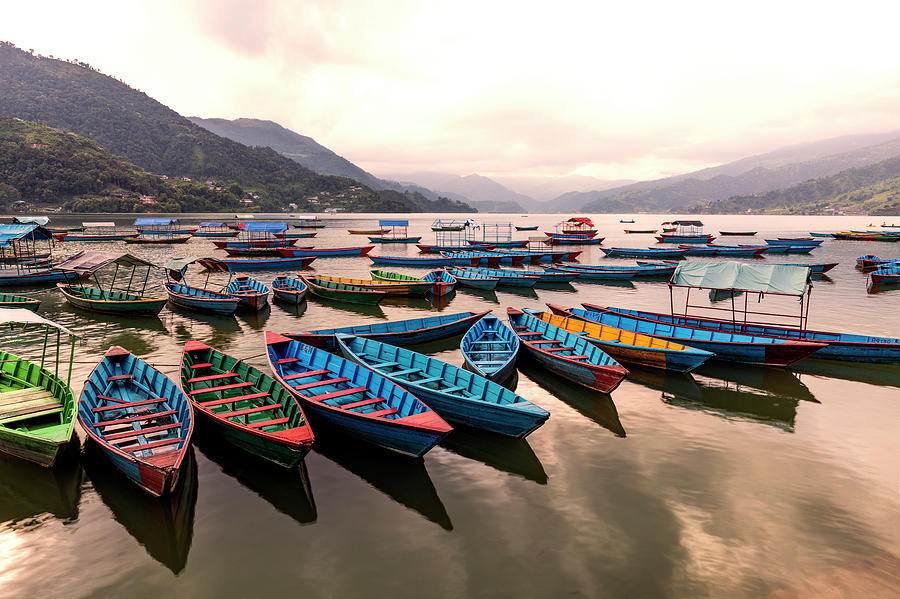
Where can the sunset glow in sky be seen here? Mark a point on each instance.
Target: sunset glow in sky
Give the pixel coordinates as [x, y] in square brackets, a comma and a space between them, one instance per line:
[608, 89]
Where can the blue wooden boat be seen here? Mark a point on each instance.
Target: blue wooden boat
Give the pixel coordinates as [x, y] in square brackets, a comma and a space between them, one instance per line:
[534, 228]
[846, 347]
[511, 278]
[412, 261]
[795, 241]
[437, 248]
[398, 332]
[489, 349]
[811, 234]
[295, 235]
[455, 394]
[201, 300]
[656, 253]
[442, 282]
[815, 267]
[325, 252]
[643, 269]
[871, 261]
[734, 347]
[886, 275]
[139, 417]
[250, 292]
[568, 355]
[265, 263]
[619, 274]
[288, 289]
[676, 238]
[210, 229]
[395, 239]
[777, 249]
[627, 346]
[725, 251]
[467, 278]
[512, 243]
[573, 240]
[359, 401]
[535, 257]
[474, 258]
[551, 276]
[255, 243]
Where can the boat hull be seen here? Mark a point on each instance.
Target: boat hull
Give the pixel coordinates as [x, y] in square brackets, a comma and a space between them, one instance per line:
[266, 264]
[137, 306]
[181, 296]
[325, 252]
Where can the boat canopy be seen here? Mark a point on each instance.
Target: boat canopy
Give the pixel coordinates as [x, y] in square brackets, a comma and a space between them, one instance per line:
[88, 261]
[393, 223]
[25, 316]
[211, 224]
[156, 222]
[582, 220]
[685, 223]
[733, 276]
[11, 233]
[177, 266]
[32, 220]
[99, 224]
[265, 227]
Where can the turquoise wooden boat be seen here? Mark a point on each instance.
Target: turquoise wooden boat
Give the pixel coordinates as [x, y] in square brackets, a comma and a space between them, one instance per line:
[568, 355]
[398, 332]
[442, 282]
[139, 418]
[245, 406]
[749, 348]
[324, 252]
[511, 278]
[615, 274]
[474, 258]
[19, 301]
[643, 269]
[811, 234]
[197, 298]
[886, 275]
[489, 349]
[288, 289]
[251, 293]
[354, 398]
[412, 261]
[846, 347]
[467, 278]
[655, 253]
[455, 394]
[815, 267]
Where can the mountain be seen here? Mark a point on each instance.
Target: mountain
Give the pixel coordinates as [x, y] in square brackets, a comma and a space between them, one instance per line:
[48, 167]
[872, 189]
[481, 192]
[544, 189]
[74, 97]
[755, 174]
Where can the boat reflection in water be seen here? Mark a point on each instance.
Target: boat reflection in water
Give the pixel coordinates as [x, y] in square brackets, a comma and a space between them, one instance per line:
[31, 495]
[873, 374]
[256, 319]
[215, 330]
[163, 525]
[487, 295]
[596, 406]
[287, 489]
[506, 454]
[404, 480]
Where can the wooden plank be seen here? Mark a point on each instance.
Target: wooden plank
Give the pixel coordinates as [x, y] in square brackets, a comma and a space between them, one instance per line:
[107, 398]
[265, 423]
[119, 377]
[271, 406]
[142, 431]
[33, 413]
[380, 413]
[342, 379]
[545, 341]
[303, 375]
[130, 404]
[552, 349]
[364, 402]
[333, 394]
[236, 398]
[221, 388]
[201, 365]
[139, 418]
[212, 377]
[7, 395]
[153, 445]
[287, 360]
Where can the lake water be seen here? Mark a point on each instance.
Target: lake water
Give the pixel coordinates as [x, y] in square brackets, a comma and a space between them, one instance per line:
[733, 482]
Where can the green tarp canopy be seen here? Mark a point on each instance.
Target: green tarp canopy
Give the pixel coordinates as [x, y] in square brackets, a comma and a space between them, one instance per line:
[734, 276]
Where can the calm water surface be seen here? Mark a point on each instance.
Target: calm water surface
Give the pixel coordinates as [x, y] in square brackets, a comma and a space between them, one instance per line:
[733, 482]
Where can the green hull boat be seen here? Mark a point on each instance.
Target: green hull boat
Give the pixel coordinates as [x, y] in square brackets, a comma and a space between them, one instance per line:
[342, 292]
[18, 301]
[110, 302]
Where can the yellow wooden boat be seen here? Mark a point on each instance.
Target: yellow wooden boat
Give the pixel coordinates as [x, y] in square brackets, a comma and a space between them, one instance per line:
[627, 346]
[389, 287]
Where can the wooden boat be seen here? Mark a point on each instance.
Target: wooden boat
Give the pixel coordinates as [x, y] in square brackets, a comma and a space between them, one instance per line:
[724, 251]
[536, 257]
[566, 354]
[288, 289]
[788, 249]
[572, 234]
[631, 231]
[534, 228]
[254, 252]
[353, 398]
[476, 280]
[37, 407]
[656, 253]
[395, 239]
[510, 278]
[149, 239]
[455, 394]
[616, 274]
[390, 287]
[201, 300]
[265, 263]
[325, 252]
[110, 302]
[140, 418]
[368, 231]
[574, 240]
[869, 261]
[476, 258]
[551, 276]
[342, 292]
[417, 285]
[251, 293]
[19, 301]
[295, 235]
[489, 349]
[643, 269]
[630, 220]
[738, 233]
[748, 348]
[261, 242]
[309, 223]
[438, 248]
[886, 275]
[399, 332]
[214, 230]
[795, 241]
[442, 282]
[412, 261]
[96, 231]
[245, 406]
[812, 234]
[510, 243]
[680, 239]
[627, 346]
[820, 267]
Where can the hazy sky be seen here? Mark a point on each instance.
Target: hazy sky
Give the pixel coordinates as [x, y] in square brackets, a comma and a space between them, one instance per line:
[632, 89]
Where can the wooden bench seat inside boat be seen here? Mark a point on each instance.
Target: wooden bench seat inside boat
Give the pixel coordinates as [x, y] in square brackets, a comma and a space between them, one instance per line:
[23, 404]
[130, 404]
[212, 377]
[221, 388]
[361, 403]
[321, 383]
[138, 418]
[201, 365]
[303, 375]
[254, 410]
[218, 402]
[142, 431]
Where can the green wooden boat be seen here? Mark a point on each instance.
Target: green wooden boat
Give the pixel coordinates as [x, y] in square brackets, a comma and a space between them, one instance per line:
[109, 300]
[18, 301]
[417, 285]
[37, 408]
[246, 407]
[342, 292]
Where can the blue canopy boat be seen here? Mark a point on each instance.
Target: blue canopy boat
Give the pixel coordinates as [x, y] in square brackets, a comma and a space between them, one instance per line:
[162, 226]
[511, 278]
[394, 231]
[656, 253]
[288, 289]
[568, 355]
[212, 229]
[244, 265]
[412, 261]
[354, 398]
[489, 349]
[455, 394]
[251, 293]
[467, 278]
[139, 417]
[200, 299]
[398, 332]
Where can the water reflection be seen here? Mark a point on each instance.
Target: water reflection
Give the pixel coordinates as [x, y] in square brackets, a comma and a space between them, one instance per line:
[290, 308]
[488, 295]
[288, 490]
[404, 480]
[413, 303]
[772, 381]
[217, 331]
[528, 292]
[30, 495]
[164, 526]
[346, 307]
[873, 374]
[562, 287]
[502, 453]
[255, 319]
[594, 405]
